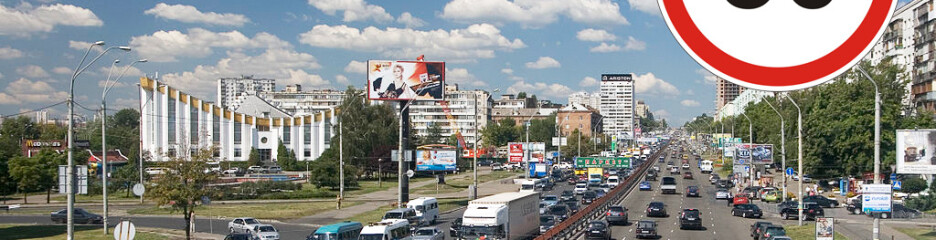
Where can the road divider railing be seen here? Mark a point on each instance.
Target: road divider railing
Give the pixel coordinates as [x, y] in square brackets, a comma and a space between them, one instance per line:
[576, 225]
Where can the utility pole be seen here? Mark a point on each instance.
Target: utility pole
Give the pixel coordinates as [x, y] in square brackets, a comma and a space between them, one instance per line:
[876, 231]
[340, 162]
[782, 148]
[799, 143]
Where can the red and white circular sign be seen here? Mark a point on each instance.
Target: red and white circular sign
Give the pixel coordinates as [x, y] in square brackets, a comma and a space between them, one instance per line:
[777, 45]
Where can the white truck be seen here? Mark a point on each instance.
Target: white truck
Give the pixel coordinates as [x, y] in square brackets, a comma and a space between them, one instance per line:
[668, 185]
[504, 216]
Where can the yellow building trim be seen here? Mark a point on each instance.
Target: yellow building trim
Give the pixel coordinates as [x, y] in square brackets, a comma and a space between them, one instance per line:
[183, 98]
[238, 117]
[277, 122]
[263, 122]
[227, 114]
[147, 83]
[250, 120]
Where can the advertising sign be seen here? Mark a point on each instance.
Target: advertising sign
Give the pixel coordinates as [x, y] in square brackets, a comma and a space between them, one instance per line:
[556, 140]
[915, 151]
[876, 197]
[825, 228]
[758, 154]
[395, 156]
[602, 162]
[537, 152]
[81, 179]
[728, 39]
[435, 160]
[515, 152]
[729, 152]
[405, 80]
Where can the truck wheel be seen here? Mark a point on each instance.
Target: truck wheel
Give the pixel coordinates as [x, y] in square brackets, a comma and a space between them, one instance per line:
[786, 216]
[744, 215]
[733, 213]
[856, 211]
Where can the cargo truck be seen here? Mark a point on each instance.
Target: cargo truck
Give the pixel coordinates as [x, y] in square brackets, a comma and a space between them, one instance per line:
[504, 216]
[538, 170]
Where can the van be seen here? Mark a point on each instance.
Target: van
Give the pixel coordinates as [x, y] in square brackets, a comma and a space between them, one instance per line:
[346, 230]
[613, 181]
[528, 186]
[407, 214]
[427, 208]
[706, 166]
[387, 229]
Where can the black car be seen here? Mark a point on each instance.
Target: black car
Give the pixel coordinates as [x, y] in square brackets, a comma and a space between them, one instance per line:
[759, 231]
[573, 205]
[248, 236]
[724, 184]
[547, 222]
[855, 206]
[787, 204]
[656, 209]
[746, 211]
[567, 195]
[899, 211]
[690, 219]
[79, 216]
[822, 201]
[651, 175]
[485, 163]
[692, 191]
[811, 210]
[646, 229]
[755, 228]
[598, 230]
[771, 231]
[456, 225]
[561, 211]
[589, 196]
[548, 185]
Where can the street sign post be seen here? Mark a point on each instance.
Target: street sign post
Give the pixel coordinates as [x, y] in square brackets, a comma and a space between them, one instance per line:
[124, 231]
[893, 177]
[789, 171]
[897, 185]
[876, 197]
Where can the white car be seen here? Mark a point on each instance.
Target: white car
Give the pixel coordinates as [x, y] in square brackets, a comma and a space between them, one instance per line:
[580, 188]
[685, 166]
[243, 224]
[255, 169]
[232, 171]
[428, 233]
[265, 232]
[722, 194]
[613, 181]
[155, 170]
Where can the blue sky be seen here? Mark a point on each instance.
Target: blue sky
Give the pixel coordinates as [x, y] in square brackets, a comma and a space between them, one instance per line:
[550, 48]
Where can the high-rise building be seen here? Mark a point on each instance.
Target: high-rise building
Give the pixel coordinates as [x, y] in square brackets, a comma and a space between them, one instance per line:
[592, 100]
[617, 104]
[898, 44]
[231, 90]
[297, 102]
[924, 63]
[466, 108]
[642, 109]
[725, 92]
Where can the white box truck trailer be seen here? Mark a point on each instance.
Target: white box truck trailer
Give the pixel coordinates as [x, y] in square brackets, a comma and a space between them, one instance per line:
[504, 216]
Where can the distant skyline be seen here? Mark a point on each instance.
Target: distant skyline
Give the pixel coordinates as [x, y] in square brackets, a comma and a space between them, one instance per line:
[550, 48]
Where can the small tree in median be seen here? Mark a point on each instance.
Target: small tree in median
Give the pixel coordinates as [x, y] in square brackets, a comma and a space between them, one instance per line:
[254, 158]
[184, 185]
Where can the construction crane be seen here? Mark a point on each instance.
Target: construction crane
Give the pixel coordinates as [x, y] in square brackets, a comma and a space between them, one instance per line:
[451, 119]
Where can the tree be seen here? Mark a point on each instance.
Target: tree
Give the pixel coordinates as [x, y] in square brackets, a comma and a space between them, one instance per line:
[285, 158]
[543, 130]
[185, 185]
[521, 95]
[913, 185]
[124, 178]
[254, 158]
[28, 175]
[434, 136]
[500, 133]
[324, 173]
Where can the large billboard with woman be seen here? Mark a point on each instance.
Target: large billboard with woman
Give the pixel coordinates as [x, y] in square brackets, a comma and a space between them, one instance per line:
[405, 80]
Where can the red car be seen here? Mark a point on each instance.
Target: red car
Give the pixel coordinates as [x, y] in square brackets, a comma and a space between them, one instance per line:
[687, 175]
[740, 200]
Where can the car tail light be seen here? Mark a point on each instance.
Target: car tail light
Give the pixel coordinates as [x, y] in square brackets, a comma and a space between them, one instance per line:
[609, 214]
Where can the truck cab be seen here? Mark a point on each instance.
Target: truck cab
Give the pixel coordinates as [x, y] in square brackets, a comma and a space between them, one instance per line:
[387, 229]
[528, 186]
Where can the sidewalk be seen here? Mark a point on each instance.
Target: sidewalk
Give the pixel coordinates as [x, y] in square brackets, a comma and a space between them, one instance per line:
[385, 198]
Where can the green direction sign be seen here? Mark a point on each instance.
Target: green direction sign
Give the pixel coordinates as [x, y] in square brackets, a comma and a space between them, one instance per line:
[602, 162]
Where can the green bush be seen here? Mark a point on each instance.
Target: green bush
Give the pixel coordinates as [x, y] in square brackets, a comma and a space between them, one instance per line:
[922, 203]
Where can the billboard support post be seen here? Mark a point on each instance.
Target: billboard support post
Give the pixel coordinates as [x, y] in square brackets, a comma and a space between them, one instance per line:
[402, 180]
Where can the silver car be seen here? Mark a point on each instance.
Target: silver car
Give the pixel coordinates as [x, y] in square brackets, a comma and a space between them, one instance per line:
[428, 233]
[265, 232]
[722, 194]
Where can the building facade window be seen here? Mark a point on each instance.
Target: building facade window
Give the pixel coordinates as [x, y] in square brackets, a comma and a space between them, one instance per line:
[307, 152]
[264, 154]
[237, 152]
[193, 125]
[216, 129]
[287, 135]
[237, 133]
[307, 131]
[172, 120]
[328, 129]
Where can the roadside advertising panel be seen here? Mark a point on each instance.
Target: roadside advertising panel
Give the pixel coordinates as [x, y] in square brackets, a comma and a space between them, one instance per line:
[602, 162]
[756, 154]
[435, 160]
[405, 80]
[825, 228]
[537, 151]
[729, 152]
[876, 197]
[515, 152]
[915, 151]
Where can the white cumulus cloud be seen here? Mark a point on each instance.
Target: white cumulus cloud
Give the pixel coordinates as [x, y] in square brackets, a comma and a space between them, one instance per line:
[32, 71]
[468, 44]
[356, 67]
[461, 76]
[25, 91]
[551, 90]
[707, 77]
[168, 46]
[544, 62]
[410, 21]
[62, 70]
[606, 48]
[635, 45]
[588, 82]
[689, 103]
[650, 84]
[659, 114]
[647, 6]
[10, 53]
[534, 13]
[354, 10]
[595, 35]
[27, 19]
[190, 14]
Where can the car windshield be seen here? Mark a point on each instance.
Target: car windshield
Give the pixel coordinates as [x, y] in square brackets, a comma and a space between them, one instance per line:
[425, 232]
[545, 219]
[669, 181]
[581, 186]
[393, 215]
[598, 225]
[371, 237]
[251, 221]
[693, 188]
[558, 209]
[267, 229]
[643, 224]
[691, 214]
[590, 194]
[776, 231]
[616, 209]
[551, 198]
[656, 205]
[567, 193]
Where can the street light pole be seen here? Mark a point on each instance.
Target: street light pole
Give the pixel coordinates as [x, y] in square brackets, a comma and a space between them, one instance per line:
[69, 171]
[108, 84]
[799, 143]
[876, 231]
[750, 146]
[782, 147]
[340, 162]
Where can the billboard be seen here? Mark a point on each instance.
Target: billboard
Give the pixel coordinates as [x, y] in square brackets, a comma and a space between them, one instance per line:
[515, 152]
[825, 228]
[876, 197]
[729, 152]
[537, 152]
[915, 151]
[602, 162]
[435, 160]
[405, 80]
[758, 154]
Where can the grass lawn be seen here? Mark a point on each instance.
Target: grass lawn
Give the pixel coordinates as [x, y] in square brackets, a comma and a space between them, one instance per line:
[807, 231]
[919, 233]
[119, 195]
[279, 211]
[57, 232]
[462, 183]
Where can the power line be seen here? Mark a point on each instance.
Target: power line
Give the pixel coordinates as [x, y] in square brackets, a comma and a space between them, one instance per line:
[34, 110]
